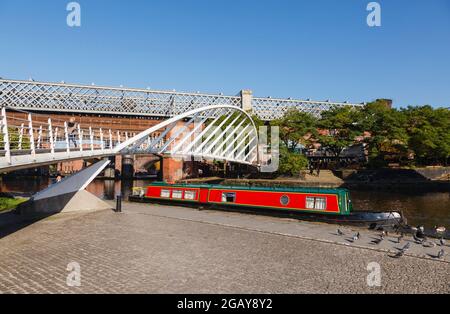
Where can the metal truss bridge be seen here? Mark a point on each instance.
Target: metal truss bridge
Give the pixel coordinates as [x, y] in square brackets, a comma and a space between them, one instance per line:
[61, 97]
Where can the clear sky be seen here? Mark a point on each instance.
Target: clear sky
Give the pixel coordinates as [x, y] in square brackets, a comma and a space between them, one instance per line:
[318, 49]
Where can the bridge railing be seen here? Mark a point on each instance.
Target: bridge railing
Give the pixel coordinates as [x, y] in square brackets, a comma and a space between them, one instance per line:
[273, 108]
[31, 135]
[40, 96]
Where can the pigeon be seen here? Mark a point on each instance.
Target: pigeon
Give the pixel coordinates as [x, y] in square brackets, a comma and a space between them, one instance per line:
[420, 233]
[356, 237]
[339, 232]
[441, 254]
[399, 254]
[402, 251]
[439, 230]
[419, 240]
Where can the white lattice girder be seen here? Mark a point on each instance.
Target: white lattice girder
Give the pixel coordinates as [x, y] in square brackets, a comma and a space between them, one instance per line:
[39, 96]
[270, 108]
[79, 98]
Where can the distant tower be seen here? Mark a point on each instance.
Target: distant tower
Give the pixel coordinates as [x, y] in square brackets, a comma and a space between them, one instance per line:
[386, 102]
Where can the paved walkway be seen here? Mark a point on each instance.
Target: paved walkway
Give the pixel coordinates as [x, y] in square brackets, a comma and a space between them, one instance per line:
[163, 249]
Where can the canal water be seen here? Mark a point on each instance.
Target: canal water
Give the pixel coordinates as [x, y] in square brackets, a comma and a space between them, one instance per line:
[425, 208]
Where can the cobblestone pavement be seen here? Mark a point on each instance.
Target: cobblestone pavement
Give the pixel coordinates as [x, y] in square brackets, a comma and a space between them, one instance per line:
[161, 249]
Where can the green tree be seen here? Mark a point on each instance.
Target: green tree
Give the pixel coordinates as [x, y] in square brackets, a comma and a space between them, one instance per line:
[341, 124]
[429, 133]
[296, 128]
[14, 135]
[258, 122]
[388, 136]
[291, 163]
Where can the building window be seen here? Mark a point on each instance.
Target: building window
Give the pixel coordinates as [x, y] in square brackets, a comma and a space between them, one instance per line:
[165, 193]
[319, 203]
[189, 195]
[177, 194]
[228, 197]
[284, 200]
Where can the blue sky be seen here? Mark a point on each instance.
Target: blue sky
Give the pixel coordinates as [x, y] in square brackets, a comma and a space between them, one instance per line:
[321, 49]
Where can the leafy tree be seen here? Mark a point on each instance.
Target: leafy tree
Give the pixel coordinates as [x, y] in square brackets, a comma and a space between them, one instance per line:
[258, 121]
[296, 128]
[429, 133]
[422, 132]
[14, 139]
[342, 126]
[292, 163]
[388, 136]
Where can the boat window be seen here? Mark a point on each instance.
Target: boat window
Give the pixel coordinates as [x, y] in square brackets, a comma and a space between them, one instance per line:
[228, 197]
[284, 200]
[177, 194]
[165, 193]
[310, 202]
[190, 195]
[319, 203]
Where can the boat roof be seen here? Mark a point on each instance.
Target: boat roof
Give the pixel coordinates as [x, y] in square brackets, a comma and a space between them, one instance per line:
[314, 190]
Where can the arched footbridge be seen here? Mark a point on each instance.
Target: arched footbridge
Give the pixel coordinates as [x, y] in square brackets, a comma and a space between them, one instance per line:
[217, 132]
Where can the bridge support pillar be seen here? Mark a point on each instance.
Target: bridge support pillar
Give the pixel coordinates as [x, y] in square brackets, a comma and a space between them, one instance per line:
[172, 169]
[246, 100]
[127, 166]
[194, 168]
[110, 171]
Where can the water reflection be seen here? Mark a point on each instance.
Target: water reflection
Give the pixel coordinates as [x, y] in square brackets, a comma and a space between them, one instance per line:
[109, 189]
[429, 209]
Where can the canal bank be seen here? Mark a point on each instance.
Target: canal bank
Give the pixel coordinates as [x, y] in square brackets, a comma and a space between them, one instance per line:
[167, 249]
[432, 179]
[421, 206]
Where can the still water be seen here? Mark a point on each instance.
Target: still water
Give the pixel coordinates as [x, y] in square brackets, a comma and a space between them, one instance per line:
[427, 208]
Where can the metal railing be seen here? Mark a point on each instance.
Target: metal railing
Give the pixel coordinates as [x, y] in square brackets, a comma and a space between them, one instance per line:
[34, 140]
[38, 96]
[272, 108]
[62, 97]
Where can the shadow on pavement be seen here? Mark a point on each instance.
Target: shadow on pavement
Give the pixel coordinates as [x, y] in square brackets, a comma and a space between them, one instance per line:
[11, 222]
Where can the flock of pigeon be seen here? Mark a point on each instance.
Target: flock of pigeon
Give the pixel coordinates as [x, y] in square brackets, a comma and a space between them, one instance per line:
[418, 236]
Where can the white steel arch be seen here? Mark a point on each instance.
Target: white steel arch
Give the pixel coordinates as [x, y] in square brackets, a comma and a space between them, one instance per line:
[219, 132]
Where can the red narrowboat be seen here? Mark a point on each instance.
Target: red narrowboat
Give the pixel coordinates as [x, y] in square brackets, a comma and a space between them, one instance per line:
[315, 203]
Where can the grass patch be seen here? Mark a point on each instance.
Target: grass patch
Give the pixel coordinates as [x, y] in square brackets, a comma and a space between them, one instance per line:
[10, 203]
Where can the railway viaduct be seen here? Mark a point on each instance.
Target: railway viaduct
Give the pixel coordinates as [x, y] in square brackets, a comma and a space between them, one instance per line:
[129, 112]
